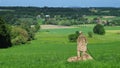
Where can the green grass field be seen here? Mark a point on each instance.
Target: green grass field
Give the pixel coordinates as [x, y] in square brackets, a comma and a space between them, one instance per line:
[104, 17]
[52, 48]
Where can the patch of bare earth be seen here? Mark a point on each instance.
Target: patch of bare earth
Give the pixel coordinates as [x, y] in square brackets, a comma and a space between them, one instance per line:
[54, 27]
[113, 31]
[108, 16]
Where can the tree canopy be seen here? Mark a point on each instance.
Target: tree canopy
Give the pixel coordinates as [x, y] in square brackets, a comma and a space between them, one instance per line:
[5, 39]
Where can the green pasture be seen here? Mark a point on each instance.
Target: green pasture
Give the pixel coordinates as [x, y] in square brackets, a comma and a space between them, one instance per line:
[51, 49]
[109, 18]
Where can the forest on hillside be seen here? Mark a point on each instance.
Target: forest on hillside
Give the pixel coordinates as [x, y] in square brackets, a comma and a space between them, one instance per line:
[59, 15]
[68, 11]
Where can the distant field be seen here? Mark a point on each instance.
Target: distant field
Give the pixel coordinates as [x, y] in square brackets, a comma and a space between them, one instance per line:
[7, 10]
[54, 27]
[104, 17]
[52, 48]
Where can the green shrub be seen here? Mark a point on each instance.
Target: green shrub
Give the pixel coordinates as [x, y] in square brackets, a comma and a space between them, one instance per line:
[99, 29]
[77, 33]
[90, 34]
[19, 36]
[31, 30]
[5, 39]
[31, 34]
[37, 27]
[73, 37]
[65, 23]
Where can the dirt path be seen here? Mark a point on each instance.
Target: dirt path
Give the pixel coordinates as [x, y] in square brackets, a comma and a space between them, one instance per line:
[54, 27]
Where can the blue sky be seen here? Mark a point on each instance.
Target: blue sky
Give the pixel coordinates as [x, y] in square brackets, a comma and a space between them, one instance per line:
[62, 3]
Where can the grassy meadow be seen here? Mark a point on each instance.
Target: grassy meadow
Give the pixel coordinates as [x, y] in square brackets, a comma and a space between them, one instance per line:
[51, 49]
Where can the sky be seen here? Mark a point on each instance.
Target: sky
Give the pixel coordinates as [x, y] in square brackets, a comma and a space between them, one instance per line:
[61, 3]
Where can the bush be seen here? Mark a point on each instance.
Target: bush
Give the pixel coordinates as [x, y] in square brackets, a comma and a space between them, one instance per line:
[31, 34]
[77, 33]
[65, 23]
[99, 29]
[5, 39]
[37, 27]
[19, 36]
[30, 30]
[73, 37]
[90, 34]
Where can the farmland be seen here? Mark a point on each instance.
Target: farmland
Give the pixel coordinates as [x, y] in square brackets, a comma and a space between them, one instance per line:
[51, 49]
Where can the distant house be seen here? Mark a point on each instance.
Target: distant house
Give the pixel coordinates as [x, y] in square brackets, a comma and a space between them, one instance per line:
[47, 16]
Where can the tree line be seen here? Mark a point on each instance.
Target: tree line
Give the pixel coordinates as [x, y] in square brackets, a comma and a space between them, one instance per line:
[68, 11]
[58, 15]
